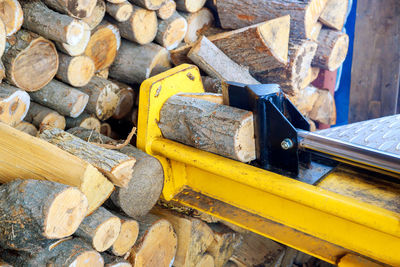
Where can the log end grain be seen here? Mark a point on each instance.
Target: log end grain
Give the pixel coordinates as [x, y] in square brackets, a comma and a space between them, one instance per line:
[27, 127]
[120, 12]
[12, 15]
[166, 10]
[171, 31]
[123, 172]
[106, 234]
[126, 238]
[313, 11]
[75, 31]
[107, 102]
[3, 36]
[144, 26]
[197, 23]
[88, 258]
[14, 108]
[79, 8]
[97, 15]
[125, 104]
[190, 5]
[78, 49]
[80, 71]
[334, 14]
[339, 52]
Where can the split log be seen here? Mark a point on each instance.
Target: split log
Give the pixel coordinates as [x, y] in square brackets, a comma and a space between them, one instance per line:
[78, 49]
[31, 61]
[3, 36]
[74, 8]
[303, 14]
[334, 14]
[154, 232]
[149, 4]
[214, 98]
[44, 161]
[197, 23]
[332, 49]
[85, 120]
[219, 129]
[311, 76]
[179, 56]
[135, 63]
[103, 45]
[190, 5]
[113, 261]
[166, 10]
[41, 117]
[212, 85]
[116, 166]
[324, 109]
[34, 211]
[216, 64]
[2, 71]
[50, 24]
[76, 71]
[62, 98]
[126, 237]
[194, 236]
[291, 77]
[121, 11]
[206, 261]
[171, 31]
[316, 31]
[14, 104]
[145, 187]
[26, 127]
[103, 73]
[97, 15]
[12, 15]
[305, 99]
[141, 27]
[126, 100]
[100, 229]
[103, 97]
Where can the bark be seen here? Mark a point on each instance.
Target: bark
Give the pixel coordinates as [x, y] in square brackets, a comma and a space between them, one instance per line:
[113, 261]
[31, 61]
[190, 5]
[212, 85]
[62, 98]
[171, 31]
[76, 71]
[120, 12]
[12, 15]
[42, 117]
[126, 237]
[14, 104]
[116, 166]
[78, 49]
[74, 8]
[97, 15]
[197, 23]
[149, 4]
[26, 127]
[179, 55]
[219, 129]
[166, 10]
[126, 101]
[84, 120]
[334, 14]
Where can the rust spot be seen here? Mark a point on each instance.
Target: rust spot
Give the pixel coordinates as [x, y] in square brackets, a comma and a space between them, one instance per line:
[245, 17]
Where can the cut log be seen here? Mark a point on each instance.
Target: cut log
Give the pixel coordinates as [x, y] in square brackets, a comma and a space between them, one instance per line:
[149, 4]
[3, 36]
[219, 129]
[85, 120]
[103, 97]
[303, 14]
[126, 237]
[126, 100]
[12, 15]
[166, 10]
[75, 8]
[171, 31]
[332, 49]
[290, 78]
[194, 237]
[115, 1]
[100, 229]
[116, 166]
[224, 243]
[76, 71]
[78, 49]
[190, 5]
[120, 12]
[334, 14]
[214, 98]
[103, 45]
[14, 104]
[62, 98]
[105, 129]
[212, 85]
[324, 109]
[216, 64]
[135, 63]
[31, 61]
[179, 55]
[311, 76]
[2, 71]
[34, 211]
[206, 261]
[197, 23]
[44, 161]
[103, 73]
[141, 27]
[147, 181]
[316, 31]
[154, 233]
[50, 24]
[305, 99]
[26, 127]
[97, 15]
[41, 117]
[113, 261]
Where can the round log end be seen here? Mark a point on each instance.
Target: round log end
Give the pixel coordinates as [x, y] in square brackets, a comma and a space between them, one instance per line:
[97, 15]
[124, 12]
[106, 234]
[3, 35]
[339, 52]
[192, 5]
[80, 71]
[75, 32]
[79, 48]
[91, 123]
[197, 23]
[53, 120]
[144, 24]
[12, 15]
[174, 33]
[79, 106]
[107, 102]
[81, 8]
[88, 258]
[125, 104]
[65, 214]
[14, 108]
[166, 10]
[244, 145]
[126, 238]
[313, 12]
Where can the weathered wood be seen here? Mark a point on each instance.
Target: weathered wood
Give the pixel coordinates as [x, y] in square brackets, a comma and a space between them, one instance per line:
[116, 166]
[103, 73]
[212, 85]
[103, 97]
[30, 61]
[216, 64]
[135, 63]
[113, 261]
[41, 117]
[316, 31]
[166, 10]
[334, 14]
[171, 31]
[74, 8]
[26, 127]
[214, 98]
[179, 56]
[311, 76]
[147, 181]
[97, 15]
[190, 5]
[332, 49]
[197, 22]
[219, 129]
[3, 36]
[103, 45]
[149, 4]
[62, 98]
[324, 109]
[305, 99]
[12, 15]
[84, 120]
[100, 229]
[154, 232]
[126, 101]
[34, 211]
[78, 49]
[120, 12]
[76, 71]
[127, 235]
[206, 261]
[14, 104]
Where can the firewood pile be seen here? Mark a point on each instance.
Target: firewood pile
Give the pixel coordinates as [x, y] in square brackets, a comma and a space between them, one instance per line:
[71, 72]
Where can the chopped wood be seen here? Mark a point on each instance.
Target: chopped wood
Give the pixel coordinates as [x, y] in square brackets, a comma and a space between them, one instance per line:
[316, 31]
[179, 55]
[103, 73]
[14, 104]
[211, 97]
[171, 31]
[197, 22]
[115, 1]
[27, 127]
[78, 49]
[113, 261]
[190, 5]
[34, 211]
[62, 98]
[212, 85]
[166, 10]
[97, 15]
[311, 76]
[135, 63]
[74, 8]
[149, 4]
[2, 71]
[127, 235]
[76, 71]
[324, 109]
[206, 261]
[12, 15]
[31, 61]
[334, 14]
[3, 36]
[105, 129]
[41, 117]
[219, 129]
[126, 101]
[116, 166]
[121, 11]
[305, 99]
[84, 120]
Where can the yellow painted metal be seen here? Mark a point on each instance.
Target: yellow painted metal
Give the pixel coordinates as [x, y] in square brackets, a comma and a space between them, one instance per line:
[351, 260]
[344, 222]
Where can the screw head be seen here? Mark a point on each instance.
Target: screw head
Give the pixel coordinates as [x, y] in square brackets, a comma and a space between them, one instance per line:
[287, 144]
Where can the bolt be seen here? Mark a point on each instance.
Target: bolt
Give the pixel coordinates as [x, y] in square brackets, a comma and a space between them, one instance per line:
[287, 144]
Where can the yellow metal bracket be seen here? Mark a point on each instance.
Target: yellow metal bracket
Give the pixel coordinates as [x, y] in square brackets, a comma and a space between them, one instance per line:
[317, 221]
